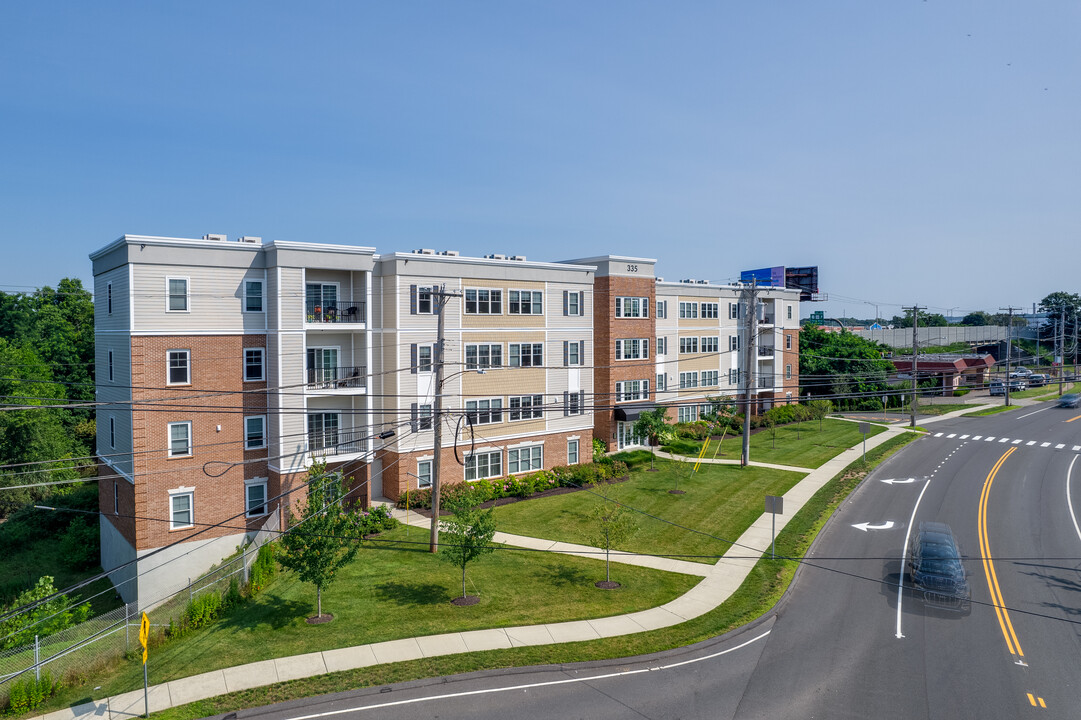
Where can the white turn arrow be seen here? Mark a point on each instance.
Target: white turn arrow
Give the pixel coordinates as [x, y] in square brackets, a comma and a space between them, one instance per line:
[869, 526]
[906, 481]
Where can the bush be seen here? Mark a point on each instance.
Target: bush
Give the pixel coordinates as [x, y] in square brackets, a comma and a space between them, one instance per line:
[80, 545]
[699, 430]
[961, 392]
[263, 569]
[29, 692]
[375, 520]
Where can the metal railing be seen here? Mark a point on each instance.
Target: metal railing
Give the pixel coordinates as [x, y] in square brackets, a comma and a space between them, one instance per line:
[336, 442]
[342, 310]
[333, 378]
[765, 351]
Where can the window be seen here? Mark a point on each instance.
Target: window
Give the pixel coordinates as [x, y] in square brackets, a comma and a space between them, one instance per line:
[253, 296]
[484, 412]
[662, 309]
[526, 354]
[632, 307]
[710, 310]
[420, 358]
[688, 345]
[625, 436]
[573, 303]
[787, 342]
[484, 465]
[711, 344]
[632, 349]
[112, 432]
[109, 298]
[632, 390]
[179, 439]
[180, 510]
[178, 294]
[686, 414]
[483, 302]
[735, 343]
[424, 300]
[323, 431]
[787, 372]
[572, 452]
[179, 367]
[574, 403]
[662, 345]
[526, 407]
[255, 497]
[424, 474]
[424, 417]
[710, 378]
[734, 312]
[789, 309]
[662, 382]
[321, 301]
[483, 356]
[253, 364]
[524, 302]
[688, 310]
[733, 376]
[116, 499]
[574, 352]
[520, 460]
[688, 380]
[254, 432]
[110, 366]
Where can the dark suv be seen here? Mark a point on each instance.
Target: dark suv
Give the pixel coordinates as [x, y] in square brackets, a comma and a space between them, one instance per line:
[936, 570]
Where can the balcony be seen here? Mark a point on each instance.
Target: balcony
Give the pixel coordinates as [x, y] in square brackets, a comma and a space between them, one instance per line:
[765, 351]
[337, 312]
[330, 442]
[337, 378]
[765, 383]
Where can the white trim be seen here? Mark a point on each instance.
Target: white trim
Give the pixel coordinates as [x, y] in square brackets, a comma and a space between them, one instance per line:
[265, 439]
[169, 430]
[187, 293]
[169, 367]
[262, 296]
[262, 365]
[251, 482]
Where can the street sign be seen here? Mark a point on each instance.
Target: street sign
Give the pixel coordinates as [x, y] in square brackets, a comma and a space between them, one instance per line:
[144, 634]
[865, 427]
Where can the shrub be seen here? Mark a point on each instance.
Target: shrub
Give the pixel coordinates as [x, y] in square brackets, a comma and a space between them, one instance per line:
[29, 692]
[693, 431]
[263, 569]
[376, 519]
[80, 546]
[961, 392]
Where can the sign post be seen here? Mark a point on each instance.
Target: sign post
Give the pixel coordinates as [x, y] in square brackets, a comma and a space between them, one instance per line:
[144, 637]
[865, 427]
[884, 400]
[775, 507]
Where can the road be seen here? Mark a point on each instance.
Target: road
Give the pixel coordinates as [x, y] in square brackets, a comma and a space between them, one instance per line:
[846, 642]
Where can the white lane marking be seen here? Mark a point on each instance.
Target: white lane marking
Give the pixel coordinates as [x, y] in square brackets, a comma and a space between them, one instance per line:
[1060, 446]
[977, 437]
[1018, 442]
[891, 481]
[904, 553]
[952, 435]
[1002, 440]
[1033, 413]
[938, 434]
[1030, 443]
[1077, 448]
[989, 438]
[550, 683]
[964, 437]
[1069, 501]
[1046, 444]
[869, 526]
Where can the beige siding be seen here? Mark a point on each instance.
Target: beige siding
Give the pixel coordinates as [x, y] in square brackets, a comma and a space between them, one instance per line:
[215, 300]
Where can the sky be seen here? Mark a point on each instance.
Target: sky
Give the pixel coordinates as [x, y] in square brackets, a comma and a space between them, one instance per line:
[917, 152]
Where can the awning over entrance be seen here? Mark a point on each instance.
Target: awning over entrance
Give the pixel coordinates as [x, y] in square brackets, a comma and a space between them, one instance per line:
[630, 413]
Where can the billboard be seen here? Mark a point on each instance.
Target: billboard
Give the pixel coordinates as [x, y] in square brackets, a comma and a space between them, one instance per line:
[764, 277]
[804, 279]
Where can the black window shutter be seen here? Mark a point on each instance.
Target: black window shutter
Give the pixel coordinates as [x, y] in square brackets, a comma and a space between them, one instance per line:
[582, 401]
[566, 403]
[645, 348]
[413, 358]
[566, 302]
[413, 414]
[581, 352]
[582, 302]
[413, 300]
[566, 353]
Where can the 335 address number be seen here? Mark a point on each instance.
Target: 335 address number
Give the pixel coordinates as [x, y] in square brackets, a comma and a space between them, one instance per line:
[632, 268]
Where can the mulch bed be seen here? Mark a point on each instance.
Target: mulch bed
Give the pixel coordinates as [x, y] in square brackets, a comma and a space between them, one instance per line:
[319, 619]
[426, 512]
[465, 600]
[607, 584]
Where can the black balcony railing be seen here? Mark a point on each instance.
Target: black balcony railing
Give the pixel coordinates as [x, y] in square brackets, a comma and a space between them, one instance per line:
[336, 442]
[338, 311]
[765, 351]
[336, 378]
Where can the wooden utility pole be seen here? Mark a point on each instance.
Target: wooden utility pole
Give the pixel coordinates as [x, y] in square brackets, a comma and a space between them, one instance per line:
[1009, 348]
[915, 360]
[439, 302]
[750, 295]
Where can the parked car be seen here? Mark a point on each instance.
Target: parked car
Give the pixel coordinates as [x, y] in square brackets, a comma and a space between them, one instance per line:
[1038, 379]
[997, 387]
[1020, 372]
[1069, 400]
[936, 570]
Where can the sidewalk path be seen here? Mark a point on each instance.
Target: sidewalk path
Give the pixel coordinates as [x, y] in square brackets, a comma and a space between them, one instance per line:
[717, 585]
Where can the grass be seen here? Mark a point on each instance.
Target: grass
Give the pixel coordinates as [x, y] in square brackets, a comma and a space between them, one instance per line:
[720, 501]
[799, 445]
[992, 411]
[923, 409]
[760, 591]
[396, 589]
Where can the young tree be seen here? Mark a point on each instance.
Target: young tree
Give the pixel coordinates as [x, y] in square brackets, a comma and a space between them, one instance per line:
[612, 525]
[327, 535]
[820, 409]
[652, 424]
[467, 535]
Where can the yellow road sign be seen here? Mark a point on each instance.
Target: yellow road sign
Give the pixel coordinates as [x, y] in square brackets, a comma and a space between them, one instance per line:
[144, 634]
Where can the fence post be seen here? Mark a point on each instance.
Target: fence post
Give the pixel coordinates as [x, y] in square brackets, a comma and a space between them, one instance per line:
[190, 597]
[244, 562]
[37, 658]
[127, 635]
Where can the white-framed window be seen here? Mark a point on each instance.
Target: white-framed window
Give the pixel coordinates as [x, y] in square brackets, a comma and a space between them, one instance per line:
[711, 344]
[484, 412]
[483, 301]
[112, 432]
[787, 372]
[525, 407]
[179, 439]
[574, 352]
[483, 355]
[526, 354]
[525, 302]
[176, 291]
[733, 376]
[572, 452]
[788, 342]
[179, 372]
[484, 465]
[181, 508]
[421, 416]
[735, 343]
[424, 474]
[109, 298]
[686, 414]
[688, 345]
[710, 311]
[626, 437]
[110, 366]
[323, 430]
[632, 307]
[574, 303]
[688, 310]
[710, 378]
[255, 497]
[734, 311]
[632, 349]
[574, 403]
[321, 301]
[628, 390]
[688, 380]
[662, 382]
[662, 345]
[254, 432]
[420, 358]
[253, 364]
[424, 301]
[253, 296]
[662, 309]
[527, 459]
[789, 309]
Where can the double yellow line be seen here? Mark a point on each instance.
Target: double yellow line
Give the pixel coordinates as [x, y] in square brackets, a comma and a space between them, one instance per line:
[989, 567]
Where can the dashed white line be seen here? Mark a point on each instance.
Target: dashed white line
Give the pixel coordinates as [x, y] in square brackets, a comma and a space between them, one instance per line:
[1046, 444]
[1030, 443]
[938, 434]
[1018, 442]
[964, 437]
[977, 437]
[1077, 448]
[952, 435]
[1060, 446]
[989, 438]
[1002, 440]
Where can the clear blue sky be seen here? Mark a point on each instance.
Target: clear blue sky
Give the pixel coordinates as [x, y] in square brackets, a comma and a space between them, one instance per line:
[915, 151]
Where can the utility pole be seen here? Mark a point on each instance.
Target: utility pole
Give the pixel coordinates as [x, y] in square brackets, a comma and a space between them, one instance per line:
[915, 362]
[439, 302]
[1009, 348]
[1058, 357]
[750, 295]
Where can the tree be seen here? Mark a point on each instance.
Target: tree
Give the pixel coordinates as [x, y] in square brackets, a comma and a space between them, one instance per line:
[1061, 307]
[977, 318]
[612, 525]
[652, 424]
[467, 535]
[326, 537]
[851, 363]
[819, 410]
[45, 619]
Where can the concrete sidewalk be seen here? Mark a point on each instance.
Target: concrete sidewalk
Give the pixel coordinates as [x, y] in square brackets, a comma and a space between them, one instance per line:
[718, 583]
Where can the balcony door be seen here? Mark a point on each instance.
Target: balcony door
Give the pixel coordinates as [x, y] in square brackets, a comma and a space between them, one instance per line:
[321, 301]
[322, 364]
[323, 431]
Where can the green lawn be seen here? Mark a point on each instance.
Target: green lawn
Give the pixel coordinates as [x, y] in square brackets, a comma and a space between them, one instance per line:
[721, 500]
[802, 445]
[396, 589]
[942, 409]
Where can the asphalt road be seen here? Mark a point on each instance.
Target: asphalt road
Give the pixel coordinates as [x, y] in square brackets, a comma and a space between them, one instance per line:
[848, 641]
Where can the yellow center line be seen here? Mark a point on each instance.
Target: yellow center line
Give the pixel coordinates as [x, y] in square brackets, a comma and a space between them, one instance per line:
[999, 604]
[1074, 418]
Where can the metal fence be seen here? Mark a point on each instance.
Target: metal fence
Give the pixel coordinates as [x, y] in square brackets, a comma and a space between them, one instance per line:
[77, 650]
